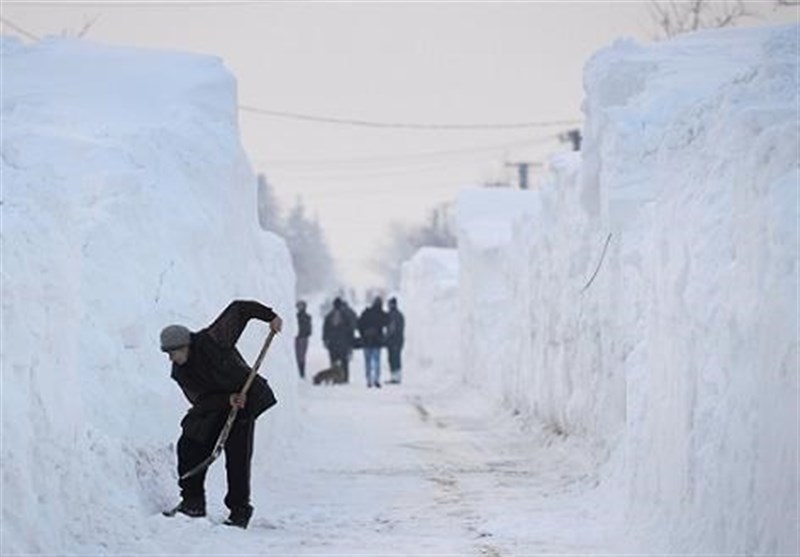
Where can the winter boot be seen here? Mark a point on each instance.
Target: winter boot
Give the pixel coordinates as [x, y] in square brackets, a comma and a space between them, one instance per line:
[240, 516]
[190, 507]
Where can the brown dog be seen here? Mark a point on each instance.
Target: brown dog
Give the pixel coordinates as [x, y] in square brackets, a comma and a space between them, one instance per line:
[332, 376]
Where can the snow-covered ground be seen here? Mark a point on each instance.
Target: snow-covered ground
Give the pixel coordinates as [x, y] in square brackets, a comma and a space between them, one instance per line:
[428, 469]
[607, 364]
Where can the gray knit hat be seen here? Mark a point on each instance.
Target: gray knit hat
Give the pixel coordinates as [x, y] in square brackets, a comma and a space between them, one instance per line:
[174, 337]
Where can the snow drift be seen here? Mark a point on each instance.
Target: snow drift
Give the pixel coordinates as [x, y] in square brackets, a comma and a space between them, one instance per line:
[127, 205]
[644, 297]
[691, 147]
[527, 305]
[429, 286]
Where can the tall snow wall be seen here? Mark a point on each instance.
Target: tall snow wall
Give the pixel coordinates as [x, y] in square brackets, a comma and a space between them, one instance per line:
[534, 323]
[691, 151]
[429, 298]
[644, 296]
[127, 204]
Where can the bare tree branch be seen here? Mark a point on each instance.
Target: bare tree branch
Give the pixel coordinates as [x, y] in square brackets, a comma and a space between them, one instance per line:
[673, 17]
[696, 13]
[88, 24]
[83, 31]
[13, 26]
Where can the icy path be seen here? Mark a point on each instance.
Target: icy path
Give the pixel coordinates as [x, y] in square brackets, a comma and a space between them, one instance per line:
[399, 471]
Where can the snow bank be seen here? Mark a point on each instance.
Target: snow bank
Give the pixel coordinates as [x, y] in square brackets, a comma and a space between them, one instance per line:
[429, 296]
[647, 292]
[488, 283]
[533, 325]
[692, 146]
[127, 204]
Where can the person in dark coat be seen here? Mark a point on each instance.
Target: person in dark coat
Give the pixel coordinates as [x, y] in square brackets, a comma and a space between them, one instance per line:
[371, 326]
[352, 319]
[301, 340]
[395, 338]
[337, 335]
[211, 373]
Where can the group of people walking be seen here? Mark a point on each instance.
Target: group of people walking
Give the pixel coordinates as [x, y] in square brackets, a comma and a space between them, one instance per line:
[343, 332]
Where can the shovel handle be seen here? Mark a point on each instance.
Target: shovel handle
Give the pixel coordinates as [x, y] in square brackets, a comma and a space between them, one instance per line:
[257, 365]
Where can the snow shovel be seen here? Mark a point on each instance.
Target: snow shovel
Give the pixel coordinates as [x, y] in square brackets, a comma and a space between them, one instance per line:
[226, 429]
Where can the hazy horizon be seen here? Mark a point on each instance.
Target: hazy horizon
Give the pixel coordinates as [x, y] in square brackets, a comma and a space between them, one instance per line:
[400, 63]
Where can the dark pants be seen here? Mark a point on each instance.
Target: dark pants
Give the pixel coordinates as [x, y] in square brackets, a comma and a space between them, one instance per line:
[343, 359]
[238, 454]
[300, 349]
[394, 358]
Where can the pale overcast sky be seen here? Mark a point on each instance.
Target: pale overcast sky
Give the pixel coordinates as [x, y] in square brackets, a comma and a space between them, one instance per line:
[401, 62]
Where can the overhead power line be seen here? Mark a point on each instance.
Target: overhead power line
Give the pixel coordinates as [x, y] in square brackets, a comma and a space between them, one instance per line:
[391, 191]
[324, 174]
[399, 125]
[422, 156]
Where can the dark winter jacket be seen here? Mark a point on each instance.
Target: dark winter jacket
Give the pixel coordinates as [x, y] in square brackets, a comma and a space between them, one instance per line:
[215, 370]
[351, 316]
[395, 329]
[337, 333]
[371, 325]
[303, 324]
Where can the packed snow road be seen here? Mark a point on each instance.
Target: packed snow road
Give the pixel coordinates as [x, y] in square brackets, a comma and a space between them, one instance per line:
[401, 470]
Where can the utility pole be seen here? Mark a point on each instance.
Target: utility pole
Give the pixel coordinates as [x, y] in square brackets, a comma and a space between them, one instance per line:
[522, 170]
[572, 136]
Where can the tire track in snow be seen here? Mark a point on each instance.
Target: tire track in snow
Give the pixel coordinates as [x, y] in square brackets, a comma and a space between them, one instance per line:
[491, 468]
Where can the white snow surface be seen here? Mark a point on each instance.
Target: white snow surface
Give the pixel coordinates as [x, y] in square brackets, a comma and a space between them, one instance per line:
[606, 364]
[695, 165]
[429, 286]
